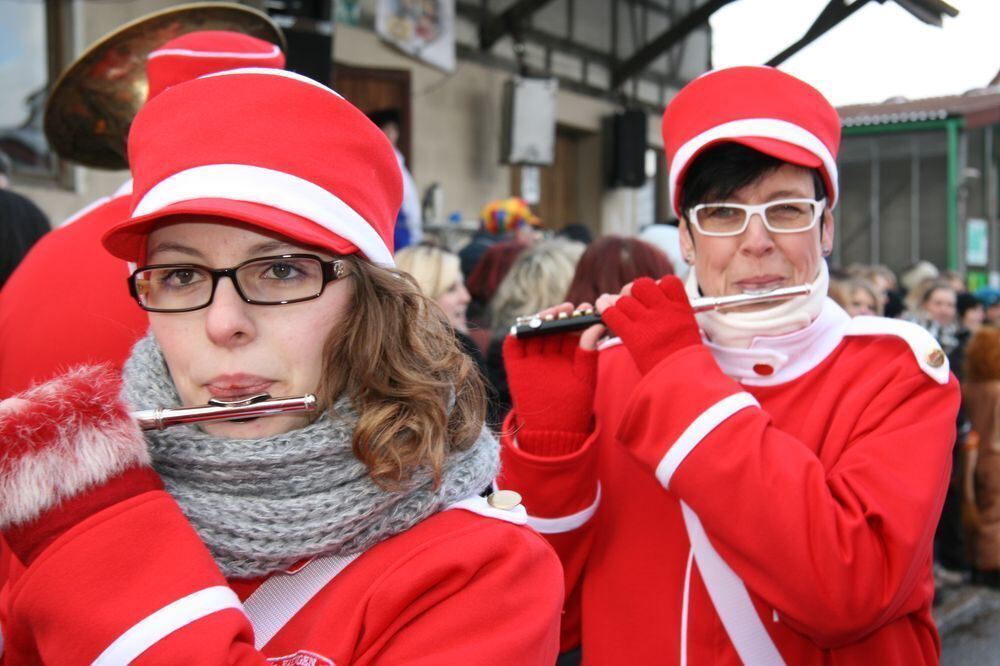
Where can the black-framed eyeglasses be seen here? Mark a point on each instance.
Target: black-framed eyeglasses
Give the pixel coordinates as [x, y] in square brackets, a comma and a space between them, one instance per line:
[278, 280]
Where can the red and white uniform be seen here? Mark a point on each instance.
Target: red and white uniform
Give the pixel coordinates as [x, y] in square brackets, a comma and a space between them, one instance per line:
[134, 584]
[767, 505]
[67, 304]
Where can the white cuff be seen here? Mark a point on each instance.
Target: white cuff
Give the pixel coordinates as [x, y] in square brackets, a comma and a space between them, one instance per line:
[706, 422]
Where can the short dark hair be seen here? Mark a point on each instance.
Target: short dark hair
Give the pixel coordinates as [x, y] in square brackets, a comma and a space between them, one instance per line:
[723, 169]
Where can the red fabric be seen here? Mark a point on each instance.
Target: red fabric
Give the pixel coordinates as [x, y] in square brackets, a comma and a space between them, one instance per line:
[67, 304]
[763, 93]
[655, 321]
[534, 366]
[457, 588]
[206, 51]
[823, 501]
[29, 540]
[235, 119]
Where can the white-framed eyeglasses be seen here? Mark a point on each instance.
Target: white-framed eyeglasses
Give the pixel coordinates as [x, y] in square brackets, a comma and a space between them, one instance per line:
[786, 216]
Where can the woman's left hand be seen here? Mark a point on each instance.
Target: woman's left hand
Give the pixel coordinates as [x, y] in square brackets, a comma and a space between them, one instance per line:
[653, 319]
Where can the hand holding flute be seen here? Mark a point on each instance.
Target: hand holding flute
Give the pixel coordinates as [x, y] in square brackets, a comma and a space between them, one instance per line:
[653, 319]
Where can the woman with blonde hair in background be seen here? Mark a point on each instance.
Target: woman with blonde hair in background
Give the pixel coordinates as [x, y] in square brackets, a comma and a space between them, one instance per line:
[538, 279]
[438, 273]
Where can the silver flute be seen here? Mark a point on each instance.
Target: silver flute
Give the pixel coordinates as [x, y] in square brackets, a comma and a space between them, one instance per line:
[527, 327]
[261, 404]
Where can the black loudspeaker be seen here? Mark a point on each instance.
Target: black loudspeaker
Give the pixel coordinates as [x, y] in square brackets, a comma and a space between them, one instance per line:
[308, 29]
[624, 148]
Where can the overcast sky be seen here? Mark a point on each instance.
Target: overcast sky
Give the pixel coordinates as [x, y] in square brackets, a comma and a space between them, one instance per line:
[880, 51]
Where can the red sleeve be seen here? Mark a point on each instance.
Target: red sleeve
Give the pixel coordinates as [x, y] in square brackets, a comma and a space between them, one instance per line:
[488, 594]
[561, 494]
[839, 549]
[133, 583]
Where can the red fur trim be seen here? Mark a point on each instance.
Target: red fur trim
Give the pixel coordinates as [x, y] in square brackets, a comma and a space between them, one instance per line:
[61, 437]
[30, 539]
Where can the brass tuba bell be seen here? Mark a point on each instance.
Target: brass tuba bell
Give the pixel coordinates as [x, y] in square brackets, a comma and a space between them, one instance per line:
[91, 107]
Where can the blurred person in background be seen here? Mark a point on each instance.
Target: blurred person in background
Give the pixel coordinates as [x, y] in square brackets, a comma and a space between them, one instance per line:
[610, 263]
[914, 282]
[439, 277]
[990, 297]
[538, 279]
[483, 283]
[981, 467]
[956, 280]
[666, 237]
[22, 224]
[501, 220]
[862, 298]
[576, 232]
[410, 220]
[937, 313]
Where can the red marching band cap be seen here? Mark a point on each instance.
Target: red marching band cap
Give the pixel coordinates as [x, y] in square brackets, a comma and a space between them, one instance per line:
[269, 148]
[198, 53]
[760, 107]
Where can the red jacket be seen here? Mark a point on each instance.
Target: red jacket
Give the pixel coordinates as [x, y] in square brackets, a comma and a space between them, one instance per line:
[804, 477]
[465, 586]
[68, 303]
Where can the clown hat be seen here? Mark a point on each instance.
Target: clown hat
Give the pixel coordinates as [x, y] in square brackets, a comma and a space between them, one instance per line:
[269, 148]
[760, 107]
[505, 215]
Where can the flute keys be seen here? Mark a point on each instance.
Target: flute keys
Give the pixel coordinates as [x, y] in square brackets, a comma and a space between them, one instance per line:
[504, 500]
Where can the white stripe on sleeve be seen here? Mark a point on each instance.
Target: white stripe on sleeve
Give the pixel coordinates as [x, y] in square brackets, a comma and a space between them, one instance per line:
[165, 621]
[706, 422]
[566, 523]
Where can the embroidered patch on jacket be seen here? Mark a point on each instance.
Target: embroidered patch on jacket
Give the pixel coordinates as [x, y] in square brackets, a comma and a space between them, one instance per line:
[301, 658]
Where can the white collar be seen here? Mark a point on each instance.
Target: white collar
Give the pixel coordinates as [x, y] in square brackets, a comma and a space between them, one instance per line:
[772, 360]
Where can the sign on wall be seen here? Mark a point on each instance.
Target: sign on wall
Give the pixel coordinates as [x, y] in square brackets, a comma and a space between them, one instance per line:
[976, 242]
[425, 29]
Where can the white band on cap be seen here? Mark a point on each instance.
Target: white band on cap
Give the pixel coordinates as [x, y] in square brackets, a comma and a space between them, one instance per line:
[189, 53]
[277, 189]
[269, 71]
[770, 128]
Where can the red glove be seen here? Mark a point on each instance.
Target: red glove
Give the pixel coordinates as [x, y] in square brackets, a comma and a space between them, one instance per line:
[552, 383]
[70, 449]
[654, 322]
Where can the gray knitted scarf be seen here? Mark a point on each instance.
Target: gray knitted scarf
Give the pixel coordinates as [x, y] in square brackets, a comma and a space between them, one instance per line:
[262, 505]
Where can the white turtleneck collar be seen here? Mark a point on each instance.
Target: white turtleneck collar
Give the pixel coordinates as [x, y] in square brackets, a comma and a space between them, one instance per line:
[771, 360]
[739, 329]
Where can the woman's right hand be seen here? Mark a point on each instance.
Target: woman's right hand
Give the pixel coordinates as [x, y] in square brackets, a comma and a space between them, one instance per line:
[552, 378]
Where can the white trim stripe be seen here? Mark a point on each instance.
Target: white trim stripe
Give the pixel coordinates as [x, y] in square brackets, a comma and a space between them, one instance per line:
[270, 71]
[685, 608]
[566, 523]
[769, 128]
[284, 191]
[706, 422]
[731, 600]
[283, 595]
[189, 53]
[165, 621]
